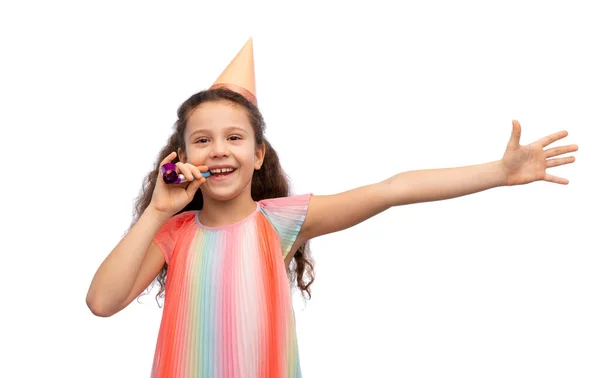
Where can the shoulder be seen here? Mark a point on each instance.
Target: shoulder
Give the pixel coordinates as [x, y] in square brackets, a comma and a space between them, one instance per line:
[283, 211]
[169, 233]
[184, 216]
[286, 204]
[286, 215]
[179, 220]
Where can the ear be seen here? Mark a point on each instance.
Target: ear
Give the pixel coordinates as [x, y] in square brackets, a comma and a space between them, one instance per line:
[181, 155]
[259, 156]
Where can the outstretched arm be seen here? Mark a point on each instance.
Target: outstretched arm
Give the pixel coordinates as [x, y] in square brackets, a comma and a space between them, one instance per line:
[519, 165]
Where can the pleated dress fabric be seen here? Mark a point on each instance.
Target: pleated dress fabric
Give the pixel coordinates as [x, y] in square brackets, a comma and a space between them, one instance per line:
[228, 308]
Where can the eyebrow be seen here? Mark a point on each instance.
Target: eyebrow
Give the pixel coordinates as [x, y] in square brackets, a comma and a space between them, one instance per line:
[227, 129]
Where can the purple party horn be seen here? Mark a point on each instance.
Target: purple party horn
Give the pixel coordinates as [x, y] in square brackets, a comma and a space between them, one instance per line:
[170, 176]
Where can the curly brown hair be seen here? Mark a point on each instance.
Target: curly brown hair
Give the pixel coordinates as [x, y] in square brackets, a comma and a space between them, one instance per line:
[268, 182]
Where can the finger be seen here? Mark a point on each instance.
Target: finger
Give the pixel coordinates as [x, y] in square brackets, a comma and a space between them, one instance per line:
[197, 171]
[555, 179]
[185, 170]
[168, 159]
[551, 152]
[192, 188]
[559, 161]
[552, 138]
[515, 136]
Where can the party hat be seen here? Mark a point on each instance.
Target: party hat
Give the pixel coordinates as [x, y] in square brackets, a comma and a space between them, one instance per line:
[239, 74]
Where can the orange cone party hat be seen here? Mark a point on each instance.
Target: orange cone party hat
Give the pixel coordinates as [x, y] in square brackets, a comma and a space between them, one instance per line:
[239, 74]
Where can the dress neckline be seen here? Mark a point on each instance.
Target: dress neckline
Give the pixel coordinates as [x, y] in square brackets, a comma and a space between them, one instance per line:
[252, 214]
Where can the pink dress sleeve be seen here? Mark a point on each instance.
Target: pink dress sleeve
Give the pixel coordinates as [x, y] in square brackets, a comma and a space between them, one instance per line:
[286, 215]
[166, 237]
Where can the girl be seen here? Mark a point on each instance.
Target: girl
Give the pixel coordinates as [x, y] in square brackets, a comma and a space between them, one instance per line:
[232, 242]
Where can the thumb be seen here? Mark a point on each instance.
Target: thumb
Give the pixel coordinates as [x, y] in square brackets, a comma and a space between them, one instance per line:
[192, 188]
[515, 137]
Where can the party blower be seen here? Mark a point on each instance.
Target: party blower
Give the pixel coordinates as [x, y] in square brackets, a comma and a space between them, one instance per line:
[170, 176]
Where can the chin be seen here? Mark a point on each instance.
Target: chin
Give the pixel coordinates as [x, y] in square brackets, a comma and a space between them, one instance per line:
[222, 197]
[224, 194]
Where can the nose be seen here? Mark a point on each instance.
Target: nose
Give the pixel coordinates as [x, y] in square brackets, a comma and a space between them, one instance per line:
[219, 149]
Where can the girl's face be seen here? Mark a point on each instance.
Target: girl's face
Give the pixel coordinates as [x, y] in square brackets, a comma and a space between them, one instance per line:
[219, 135]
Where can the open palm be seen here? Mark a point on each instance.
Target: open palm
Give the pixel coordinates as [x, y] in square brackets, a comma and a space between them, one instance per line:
[525, 164]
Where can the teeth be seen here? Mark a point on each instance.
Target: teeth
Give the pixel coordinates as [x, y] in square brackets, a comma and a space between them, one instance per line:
[221, 170]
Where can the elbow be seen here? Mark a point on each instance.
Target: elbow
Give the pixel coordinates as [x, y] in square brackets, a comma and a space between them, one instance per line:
[391, 193]
[98, 308]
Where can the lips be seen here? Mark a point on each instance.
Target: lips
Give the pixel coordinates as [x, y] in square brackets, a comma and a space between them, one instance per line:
[221, 171]
[219, 174]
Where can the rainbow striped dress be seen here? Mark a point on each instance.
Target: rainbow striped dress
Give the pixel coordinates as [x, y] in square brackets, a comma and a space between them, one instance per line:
[228, 308]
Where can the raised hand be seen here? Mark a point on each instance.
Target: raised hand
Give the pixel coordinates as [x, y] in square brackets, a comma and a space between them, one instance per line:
[171, 198]
[526, 164]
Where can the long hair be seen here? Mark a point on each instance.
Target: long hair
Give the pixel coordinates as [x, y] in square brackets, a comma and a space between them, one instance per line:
[268, 182]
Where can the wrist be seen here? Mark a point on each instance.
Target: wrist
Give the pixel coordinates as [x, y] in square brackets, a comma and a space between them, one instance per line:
[155, 214]
[502, 173]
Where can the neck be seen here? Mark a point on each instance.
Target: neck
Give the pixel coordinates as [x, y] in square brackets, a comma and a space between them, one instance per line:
[216, 213]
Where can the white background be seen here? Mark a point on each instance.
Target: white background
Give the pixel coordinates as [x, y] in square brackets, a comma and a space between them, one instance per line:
[504, 283]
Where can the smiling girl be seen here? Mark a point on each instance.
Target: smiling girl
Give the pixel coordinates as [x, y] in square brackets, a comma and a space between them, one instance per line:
[232, 242]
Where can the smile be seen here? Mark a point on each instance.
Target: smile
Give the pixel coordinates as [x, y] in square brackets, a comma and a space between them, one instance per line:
[221, 172]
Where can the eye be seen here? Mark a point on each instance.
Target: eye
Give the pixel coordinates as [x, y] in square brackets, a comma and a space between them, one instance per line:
[235, 137]
[202, 140]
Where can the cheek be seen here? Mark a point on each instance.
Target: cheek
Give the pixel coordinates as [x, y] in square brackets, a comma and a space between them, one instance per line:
[196, 154]
[246, 156]
[249, 160]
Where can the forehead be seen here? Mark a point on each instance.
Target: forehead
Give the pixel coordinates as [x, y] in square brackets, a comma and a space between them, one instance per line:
[214, 116]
